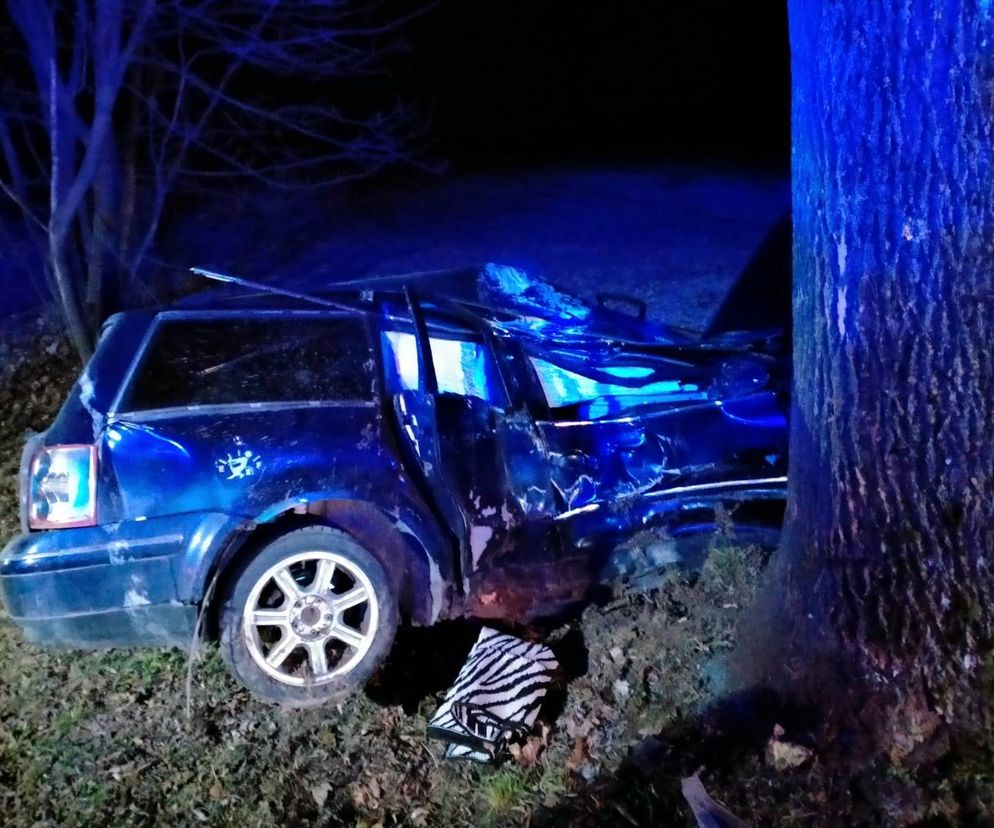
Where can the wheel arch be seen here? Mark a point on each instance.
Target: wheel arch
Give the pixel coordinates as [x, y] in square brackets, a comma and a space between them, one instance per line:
[417, 568]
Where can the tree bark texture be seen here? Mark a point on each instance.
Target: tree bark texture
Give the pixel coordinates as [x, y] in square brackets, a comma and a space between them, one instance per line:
[888, 554]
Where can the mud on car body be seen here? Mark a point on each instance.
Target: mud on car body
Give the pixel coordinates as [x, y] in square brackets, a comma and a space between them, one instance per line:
[310, 470]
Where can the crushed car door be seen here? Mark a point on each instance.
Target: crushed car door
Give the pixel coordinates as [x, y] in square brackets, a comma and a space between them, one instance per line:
[484, 464]
[640, 426]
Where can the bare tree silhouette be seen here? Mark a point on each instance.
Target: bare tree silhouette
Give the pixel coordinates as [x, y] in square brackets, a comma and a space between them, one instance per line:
[116, 105]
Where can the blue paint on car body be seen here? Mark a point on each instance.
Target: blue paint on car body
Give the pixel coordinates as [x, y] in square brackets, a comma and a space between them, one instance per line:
[478, 425]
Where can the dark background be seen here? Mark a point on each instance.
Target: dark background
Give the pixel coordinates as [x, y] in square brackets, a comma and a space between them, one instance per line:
[546, 81]
[515, 89]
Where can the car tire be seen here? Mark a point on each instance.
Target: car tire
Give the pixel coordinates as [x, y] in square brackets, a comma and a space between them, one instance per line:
[307, 618]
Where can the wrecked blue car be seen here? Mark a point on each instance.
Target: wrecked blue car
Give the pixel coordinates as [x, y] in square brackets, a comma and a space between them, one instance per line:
[294, 474]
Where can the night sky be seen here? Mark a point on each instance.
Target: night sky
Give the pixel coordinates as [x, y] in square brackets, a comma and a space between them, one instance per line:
[546, 81]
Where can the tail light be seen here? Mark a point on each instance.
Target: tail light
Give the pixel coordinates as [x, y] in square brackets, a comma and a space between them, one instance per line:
[62, 487]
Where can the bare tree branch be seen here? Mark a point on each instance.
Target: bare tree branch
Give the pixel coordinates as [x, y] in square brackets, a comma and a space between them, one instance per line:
[134, 99]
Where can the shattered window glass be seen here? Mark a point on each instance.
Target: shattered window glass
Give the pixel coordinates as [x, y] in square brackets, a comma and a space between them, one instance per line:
[462, 366]
[248, 360]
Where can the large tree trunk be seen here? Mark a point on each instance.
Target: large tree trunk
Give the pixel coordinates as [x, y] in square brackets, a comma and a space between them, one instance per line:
[888, 558]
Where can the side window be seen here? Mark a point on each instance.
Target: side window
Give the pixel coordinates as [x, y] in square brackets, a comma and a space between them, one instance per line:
[464, 366]
[247, 360]
[467, 368]
[607, 390]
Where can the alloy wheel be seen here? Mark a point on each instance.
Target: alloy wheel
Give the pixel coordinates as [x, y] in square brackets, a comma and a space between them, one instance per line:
[310, 618]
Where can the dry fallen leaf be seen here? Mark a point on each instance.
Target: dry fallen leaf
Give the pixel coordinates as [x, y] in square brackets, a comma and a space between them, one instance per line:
[320, 793]
[579, 756]
[366, 796]
[785, 755]
[418, 817]
[526, 755]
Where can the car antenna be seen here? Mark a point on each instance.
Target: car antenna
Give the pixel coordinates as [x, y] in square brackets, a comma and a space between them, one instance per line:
[246, 283]
[405, 278]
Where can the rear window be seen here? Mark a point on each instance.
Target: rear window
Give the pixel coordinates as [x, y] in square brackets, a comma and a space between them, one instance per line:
[246, 360]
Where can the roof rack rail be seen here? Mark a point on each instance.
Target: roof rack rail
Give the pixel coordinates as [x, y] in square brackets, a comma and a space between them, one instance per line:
[246, 283]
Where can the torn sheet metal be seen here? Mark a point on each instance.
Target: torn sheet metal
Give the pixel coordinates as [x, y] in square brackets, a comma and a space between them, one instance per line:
[496, 697]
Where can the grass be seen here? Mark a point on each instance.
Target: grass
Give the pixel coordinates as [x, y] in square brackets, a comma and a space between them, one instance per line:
[102, 738]
[503, 790]
[731, 569]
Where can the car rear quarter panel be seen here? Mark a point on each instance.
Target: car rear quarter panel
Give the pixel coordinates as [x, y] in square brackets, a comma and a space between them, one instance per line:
[241, 460]
[256, 464]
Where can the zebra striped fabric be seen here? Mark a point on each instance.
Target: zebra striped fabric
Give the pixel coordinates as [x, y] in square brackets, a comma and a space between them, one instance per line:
[496, 697]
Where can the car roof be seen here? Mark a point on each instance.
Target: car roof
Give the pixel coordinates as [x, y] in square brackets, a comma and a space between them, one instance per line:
[499, 297]
[455, 284]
